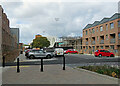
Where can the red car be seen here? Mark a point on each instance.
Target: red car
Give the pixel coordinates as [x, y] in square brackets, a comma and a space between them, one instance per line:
[71, 51]
[103, 52]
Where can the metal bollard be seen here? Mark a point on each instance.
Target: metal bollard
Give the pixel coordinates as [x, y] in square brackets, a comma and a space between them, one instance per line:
[63, 62]
[3, 63]
[41, 64]
[18, 68]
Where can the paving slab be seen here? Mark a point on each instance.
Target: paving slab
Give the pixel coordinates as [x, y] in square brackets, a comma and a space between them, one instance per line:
[53, 74]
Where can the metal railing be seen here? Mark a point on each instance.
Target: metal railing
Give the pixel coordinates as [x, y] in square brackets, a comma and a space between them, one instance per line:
[112, 40]
[86, 43]
[93, 42]
[102, 42]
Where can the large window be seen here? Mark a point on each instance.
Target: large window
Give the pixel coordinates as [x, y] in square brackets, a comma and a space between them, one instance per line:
[106, 26]
[97, 38]
[97, 29]
[93, 48]
[119, 35]
[89, 31]
[101, 47]
[112, 46]
[93, 30]
[119, 23]
[101, 28]
[106, 37]
[86, 32]
[86, 47]
[111, 25]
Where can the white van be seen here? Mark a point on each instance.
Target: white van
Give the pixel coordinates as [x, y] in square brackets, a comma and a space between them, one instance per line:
[59, 51]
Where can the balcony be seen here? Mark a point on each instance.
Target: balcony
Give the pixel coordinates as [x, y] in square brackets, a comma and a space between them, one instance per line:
[86, 43]
[93, 42]
[112, 41]
[102, 42]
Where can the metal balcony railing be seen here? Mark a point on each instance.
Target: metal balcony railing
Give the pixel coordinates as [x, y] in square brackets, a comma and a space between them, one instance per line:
[86, 43]
[93, 42]
[102, 42]
[112, 41]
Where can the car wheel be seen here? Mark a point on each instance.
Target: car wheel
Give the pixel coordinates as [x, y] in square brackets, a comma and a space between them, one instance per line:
[111, 55]
[32, 56]
[100, 55]
[48, 56]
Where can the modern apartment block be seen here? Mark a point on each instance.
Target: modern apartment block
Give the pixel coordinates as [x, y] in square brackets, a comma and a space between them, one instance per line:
[104, 34]
[8, 41]
[73, 42]
[15, 33]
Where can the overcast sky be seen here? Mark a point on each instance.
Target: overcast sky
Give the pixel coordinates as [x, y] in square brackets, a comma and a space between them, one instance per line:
[56, 17]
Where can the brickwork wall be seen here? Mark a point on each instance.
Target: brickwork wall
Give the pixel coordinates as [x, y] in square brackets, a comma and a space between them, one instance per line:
[9, 42]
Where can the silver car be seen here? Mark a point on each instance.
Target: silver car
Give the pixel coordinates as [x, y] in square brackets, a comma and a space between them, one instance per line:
[39, 54]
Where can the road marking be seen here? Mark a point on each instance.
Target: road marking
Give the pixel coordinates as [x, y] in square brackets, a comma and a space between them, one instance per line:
[19, 66]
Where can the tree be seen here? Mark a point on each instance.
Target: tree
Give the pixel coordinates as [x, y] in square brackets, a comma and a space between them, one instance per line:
[41, 42]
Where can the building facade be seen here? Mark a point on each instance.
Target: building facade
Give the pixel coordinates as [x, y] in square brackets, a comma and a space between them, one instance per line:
[104, 34]
[8, 41]
[15, 33]
[52, 39]
[0, 32]
[73, 42]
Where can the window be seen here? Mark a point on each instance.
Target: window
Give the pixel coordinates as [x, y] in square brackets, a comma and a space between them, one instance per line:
[106, 37]
[111, 25]
[89, 31]
[93, 30]
[101, 28]
[90, 40]
[112, 46]
[106, 26]
[119, 23]
[86, 47]
[119, 35]
[93, 48]
[101, 47]
[86, 32]
[97, 38]
[97, 29]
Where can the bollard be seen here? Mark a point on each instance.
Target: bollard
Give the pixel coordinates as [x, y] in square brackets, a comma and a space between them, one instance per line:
[3, 63]
[63, 62]
[41, 64]
[18, 69]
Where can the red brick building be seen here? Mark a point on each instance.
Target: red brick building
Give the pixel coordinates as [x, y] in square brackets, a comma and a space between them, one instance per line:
[104, 34]
[8, 41]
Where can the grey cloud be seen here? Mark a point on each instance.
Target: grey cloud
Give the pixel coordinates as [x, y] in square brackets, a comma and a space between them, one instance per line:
[73, 16]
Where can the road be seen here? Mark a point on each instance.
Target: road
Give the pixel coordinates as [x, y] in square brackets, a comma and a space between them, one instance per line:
[71, 60]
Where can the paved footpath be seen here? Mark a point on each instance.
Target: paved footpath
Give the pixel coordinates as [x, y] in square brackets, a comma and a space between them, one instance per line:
[53, 74]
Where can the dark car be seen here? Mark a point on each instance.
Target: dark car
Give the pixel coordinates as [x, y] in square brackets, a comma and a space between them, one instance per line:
[103, 52]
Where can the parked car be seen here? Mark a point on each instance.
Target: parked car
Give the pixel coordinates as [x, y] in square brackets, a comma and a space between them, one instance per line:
[71, 51]
[59, 51]
[39, 54]
[103, 52]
